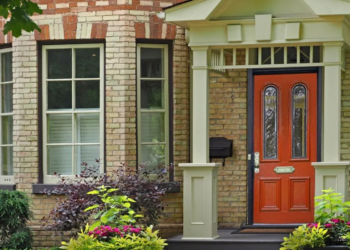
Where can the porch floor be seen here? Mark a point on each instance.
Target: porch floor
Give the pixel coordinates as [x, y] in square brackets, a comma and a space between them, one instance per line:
[229, 241]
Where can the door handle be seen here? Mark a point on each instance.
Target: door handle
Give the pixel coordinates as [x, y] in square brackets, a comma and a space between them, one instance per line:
[256, 162]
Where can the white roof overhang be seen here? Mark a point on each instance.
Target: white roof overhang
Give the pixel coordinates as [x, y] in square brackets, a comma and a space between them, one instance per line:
[210, 10]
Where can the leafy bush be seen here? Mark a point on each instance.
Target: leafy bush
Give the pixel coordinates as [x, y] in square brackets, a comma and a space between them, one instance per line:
[115, 210]
[145, 240]
[14, 214]
[330, 206]
[142, 186]
[305, 236]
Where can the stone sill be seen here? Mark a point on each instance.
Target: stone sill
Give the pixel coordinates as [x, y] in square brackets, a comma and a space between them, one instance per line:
[174, 187]
[8, 187]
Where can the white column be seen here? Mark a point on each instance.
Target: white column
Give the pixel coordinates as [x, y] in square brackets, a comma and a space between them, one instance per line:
[200, 106]
[332, 102]
[200, 177]
[331, 172]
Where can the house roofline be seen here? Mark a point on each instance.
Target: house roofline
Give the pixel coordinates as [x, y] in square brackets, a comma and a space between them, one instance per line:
[177, 4]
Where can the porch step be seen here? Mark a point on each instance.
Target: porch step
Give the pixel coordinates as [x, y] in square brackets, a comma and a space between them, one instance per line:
[229, 241]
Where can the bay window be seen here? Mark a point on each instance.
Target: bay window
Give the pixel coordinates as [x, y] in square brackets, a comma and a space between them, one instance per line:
[6, 121]
[153, 105]
[73, 104]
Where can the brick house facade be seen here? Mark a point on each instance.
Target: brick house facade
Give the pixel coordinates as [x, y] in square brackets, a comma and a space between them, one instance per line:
[120, 26]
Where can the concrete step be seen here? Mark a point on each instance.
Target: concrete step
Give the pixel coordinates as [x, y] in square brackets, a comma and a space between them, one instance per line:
[229, 241]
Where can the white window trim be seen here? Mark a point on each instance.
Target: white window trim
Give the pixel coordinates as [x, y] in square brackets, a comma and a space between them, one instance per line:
[5, 179]
[51, 179]
[166, 100]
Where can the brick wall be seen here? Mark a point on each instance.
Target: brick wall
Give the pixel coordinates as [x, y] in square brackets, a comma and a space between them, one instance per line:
[228, 118]
[119, 23]
[345, 116]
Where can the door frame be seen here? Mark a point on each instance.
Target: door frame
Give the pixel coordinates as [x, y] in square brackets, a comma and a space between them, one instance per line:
[250, 129]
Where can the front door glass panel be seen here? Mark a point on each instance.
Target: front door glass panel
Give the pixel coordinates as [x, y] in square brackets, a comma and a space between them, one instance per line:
[270, 122]
[299, 99]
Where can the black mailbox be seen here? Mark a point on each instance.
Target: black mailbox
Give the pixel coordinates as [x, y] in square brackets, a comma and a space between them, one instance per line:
[220, 147]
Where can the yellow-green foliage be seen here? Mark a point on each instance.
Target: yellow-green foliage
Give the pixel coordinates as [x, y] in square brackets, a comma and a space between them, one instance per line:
[304, 236]
[147, 241]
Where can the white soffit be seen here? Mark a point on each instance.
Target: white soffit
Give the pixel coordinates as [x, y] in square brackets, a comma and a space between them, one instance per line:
[197, 10]
[329, 7]
[243, 9]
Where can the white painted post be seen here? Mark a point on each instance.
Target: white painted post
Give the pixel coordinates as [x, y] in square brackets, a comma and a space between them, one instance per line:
[200, 106]
[332, 102]
[200, 177]
[331, 172]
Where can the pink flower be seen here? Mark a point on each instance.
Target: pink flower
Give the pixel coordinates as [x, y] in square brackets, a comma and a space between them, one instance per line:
[336, 221]
[328, 225]
[312, 225]
[348, 223]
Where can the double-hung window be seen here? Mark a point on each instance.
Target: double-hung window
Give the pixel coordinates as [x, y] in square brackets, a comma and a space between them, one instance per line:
[153, 105]
[73, 102]
[6, 121]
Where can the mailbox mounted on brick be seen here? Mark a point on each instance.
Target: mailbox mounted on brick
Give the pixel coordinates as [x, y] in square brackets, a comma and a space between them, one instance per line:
[220, 147]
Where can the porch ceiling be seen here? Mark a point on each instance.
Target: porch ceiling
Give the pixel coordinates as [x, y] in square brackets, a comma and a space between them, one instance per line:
[211, 10]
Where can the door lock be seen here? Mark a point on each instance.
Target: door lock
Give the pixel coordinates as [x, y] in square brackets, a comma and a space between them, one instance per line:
[256, 162]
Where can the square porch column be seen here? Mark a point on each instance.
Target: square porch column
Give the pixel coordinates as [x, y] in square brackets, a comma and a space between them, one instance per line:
[200, 177]
[331, 172]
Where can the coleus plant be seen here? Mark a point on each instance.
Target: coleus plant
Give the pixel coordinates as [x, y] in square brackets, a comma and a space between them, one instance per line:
[142, 186]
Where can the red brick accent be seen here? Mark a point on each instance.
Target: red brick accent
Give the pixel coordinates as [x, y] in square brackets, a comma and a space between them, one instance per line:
[2, 37]
[156, 26]
[70, 26]
[171, 32]
[44, 34]
[99, 30]
[9, 37]
[140, 30]
[51, 7]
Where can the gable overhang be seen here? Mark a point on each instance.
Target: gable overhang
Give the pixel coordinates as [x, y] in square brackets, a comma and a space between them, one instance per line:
[209, 21]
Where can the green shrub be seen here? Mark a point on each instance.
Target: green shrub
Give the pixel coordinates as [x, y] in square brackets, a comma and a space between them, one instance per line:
[147, 240]
[305, 236]
[14, 214]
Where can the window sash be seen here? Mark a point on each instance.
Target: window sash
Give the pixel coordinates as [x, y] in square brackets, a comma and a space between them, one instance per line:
[165, 110]
[4, 179]
[74, 112]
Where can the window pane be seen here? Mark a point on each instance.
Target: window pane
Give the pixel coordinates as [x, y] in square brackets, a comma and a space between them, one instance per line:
[279, 55]
[152, 62]
[6, 96]
[292, 55]
[59, 95]
[270, 123]
[59, 128]
[59, 160]
[299, 122]
[152, 127]
[317, 54]
[305, 54]
[152, 94]
[87, 63]
[87, 154]
[59, 63]
[7, 160]
[87, 94]
[88, 128]
[6, 63]
[266, 55]
[153, 156]
[6, 127]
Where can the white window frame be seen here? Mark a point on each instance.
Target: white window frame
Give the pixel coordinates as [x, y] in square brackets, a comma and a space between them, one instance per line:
[165, 78]
[51, 179]
[5, 179]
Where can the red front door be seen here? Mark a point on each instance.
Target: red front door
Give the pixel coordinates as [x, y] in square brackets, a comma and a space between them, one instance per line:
[285, 137]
